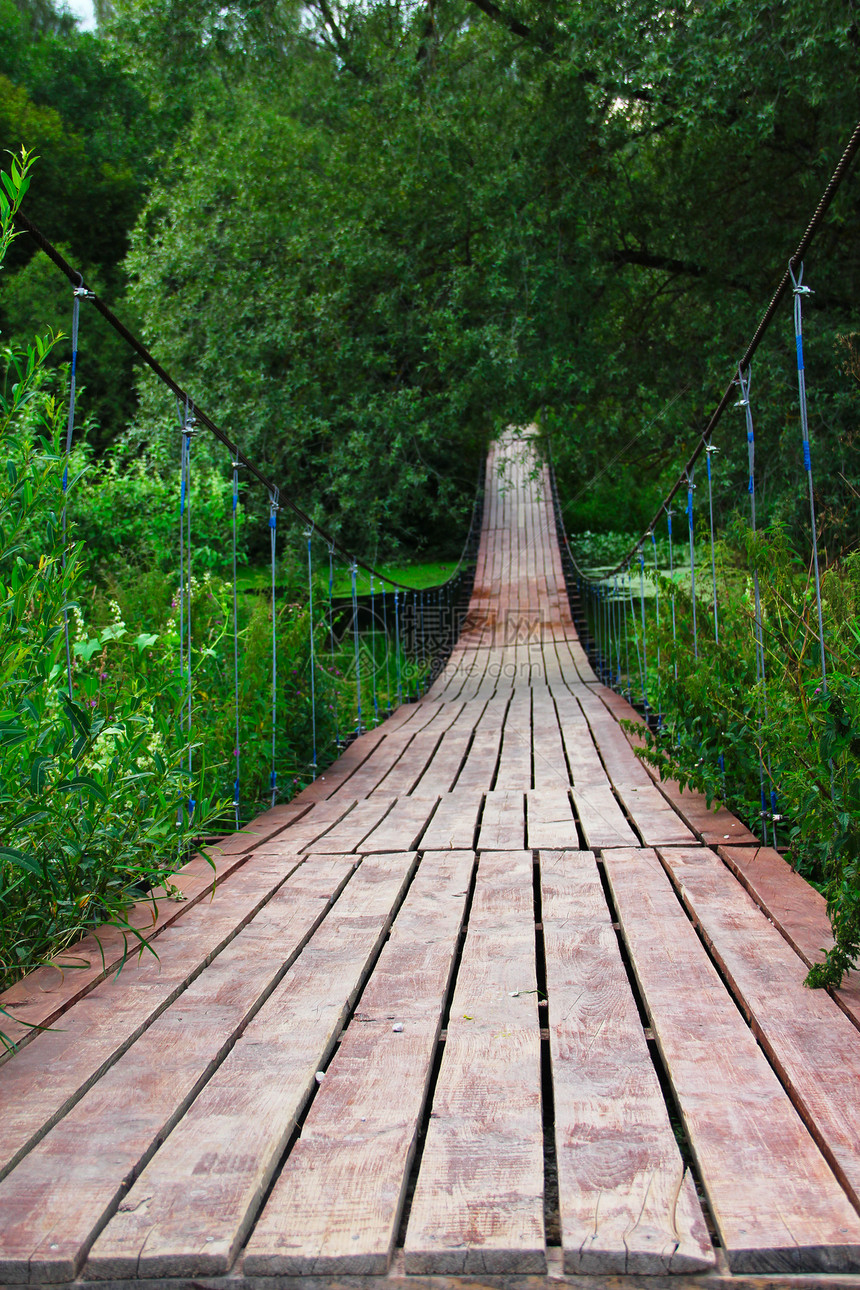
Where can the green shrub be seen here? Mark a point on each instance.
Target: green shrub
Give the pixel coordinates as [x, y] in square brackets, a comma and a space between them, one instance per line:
[741, 738]
[90, 783]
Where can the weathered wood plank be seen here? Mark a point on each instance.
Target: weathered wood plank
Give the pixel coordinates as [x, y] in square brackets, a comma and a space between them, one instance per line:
[776, 1202]
[515, 761]
[550, 823]
[44, 995]
[798, 910]
[503, 823]
[454, 823]
[627, 1202]
[478, 1203]
[657, 822]
[60, 1194]
[350, 832]
[193, 1204]
[603, 822]
[336, 1206]
[480, 764]
[792, 1023]
[550, 765]
[46, 1079]
[444, 765]
[402, 827]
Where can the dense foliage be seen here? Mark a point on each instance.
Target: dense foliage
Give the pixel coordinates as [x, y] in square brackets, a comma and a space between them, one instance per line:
[89, 781]
[366, 233]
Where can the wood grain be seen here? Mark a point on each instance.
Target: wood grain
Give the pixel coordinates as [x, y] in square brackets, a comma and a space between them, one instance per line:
[503, 822]
[62, 1192]
[776, 1202]
[193, 1204]
[628, 1204]
[550, 822]
[790, 1021]
[46, 1079]
[478, 1203]
[336, 1206]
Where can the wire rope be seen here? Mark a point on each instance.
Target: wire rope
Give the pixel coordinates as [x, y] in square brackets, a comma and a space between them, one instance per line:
[274, 507]
[799, 292]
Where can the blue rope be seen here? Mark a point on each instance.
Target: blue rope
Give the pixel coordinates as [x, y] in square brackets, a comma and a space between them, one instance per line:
[761, 680]
[617, 618]
[636, 640]
[387, 651]
[313, 659]
[397, 647]
[657, 629]
[625, 590]
[185, 566]
[78, 294]
[373, 654]
[236, 749]
[331, 639]
[669, 514]
[273, 541]
[799, 292]
[354, 571]
[644, 629]
[690, 487]
[710, 449]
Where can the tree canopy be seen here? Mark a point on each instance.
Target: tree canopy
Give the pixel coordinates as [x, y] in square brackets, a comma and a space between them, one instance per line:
[368, 233]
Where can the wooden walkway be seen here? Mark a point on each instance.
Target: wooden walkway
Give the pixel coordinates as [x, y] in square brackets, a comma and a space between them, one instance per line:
[485, 1005]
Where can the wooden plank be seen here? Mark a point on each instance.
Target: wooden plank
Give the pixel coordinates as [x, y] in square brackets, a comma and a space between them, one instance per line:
[43, 996]
[336, 1205]
[602, 820]
[515, 760]
[402, 826]
[712, 825]
[46, 1079]
[503, 824]
[374, 768]
[813, 1046]
[657, 823]
[550, 765]
[478, 1202]
[60, 1194]
[796, 908]
[349, 834]
[403, 775]
[627, 1203]
[318, 820]
[193, 1204]
[349, 761]
[454, 823]
[444, 765]
[480, 764]
[776, 1203]
[550, 823]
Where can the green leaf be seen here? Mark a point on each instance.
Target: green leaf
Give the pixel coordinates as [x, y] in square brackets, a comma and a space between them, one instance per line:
[83, 784]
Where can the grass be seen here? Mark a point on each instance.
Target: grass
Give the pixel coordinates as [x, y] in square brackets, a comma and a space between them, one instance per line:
[428, 574]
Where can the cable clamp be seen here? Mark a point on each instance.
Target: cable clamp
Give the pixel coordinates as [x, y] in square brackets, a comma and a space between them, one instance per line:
[83, 293]
[711, 447]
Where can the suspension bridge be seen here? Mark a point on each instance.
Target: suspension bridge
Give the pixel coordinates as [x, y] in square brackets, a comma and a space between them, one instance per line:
[486, 1003]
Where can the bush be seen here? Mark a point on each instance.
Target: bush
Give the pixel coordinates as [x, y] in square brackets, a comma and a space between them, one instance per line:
[782, 750]
[90, 787]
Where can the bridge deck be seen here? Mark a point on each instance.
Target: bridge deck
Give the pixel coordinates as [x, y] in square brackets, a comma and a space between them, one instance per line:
[484, 1004]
